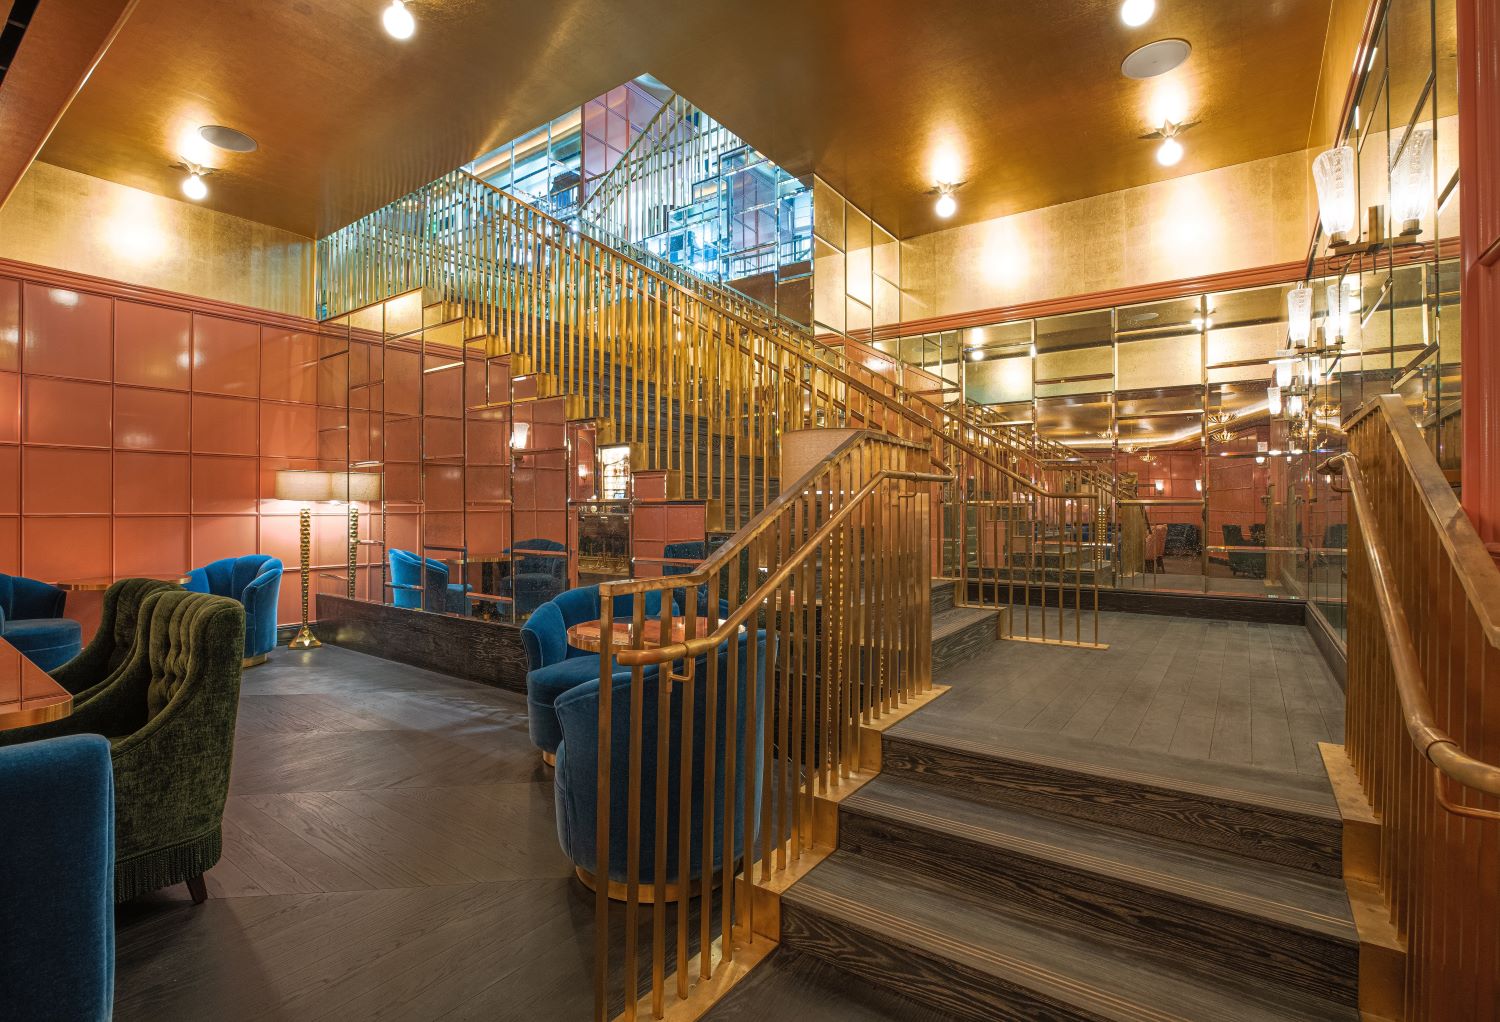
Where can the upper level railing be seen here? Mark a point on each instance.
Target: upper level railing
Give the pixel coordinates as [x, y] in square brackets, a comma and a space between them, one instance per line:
[1423, 720]
[743, 711]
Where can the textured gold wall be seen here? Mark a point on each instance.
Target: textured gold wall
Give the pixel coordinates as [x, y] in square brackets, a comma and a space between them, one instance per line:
[1247, 215]
[71, 221]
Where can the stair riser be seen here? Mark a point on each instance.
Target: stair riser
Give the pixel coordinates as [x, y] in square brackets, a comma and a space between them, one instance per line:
[942, 597]
[1263, 833]
[1170, 927]
[963, 644]
[948, 986]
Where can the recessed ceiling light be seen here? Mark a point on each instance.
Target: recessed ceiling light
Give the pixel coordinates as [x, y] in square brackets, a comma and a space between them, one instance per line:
[228, 138]
[1136, 13]
[398, 20]
[1156, 58]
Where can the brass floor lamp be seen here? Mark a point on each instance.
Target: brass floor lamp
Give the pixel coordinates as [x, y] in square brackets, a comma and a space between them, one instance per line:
[305, 486]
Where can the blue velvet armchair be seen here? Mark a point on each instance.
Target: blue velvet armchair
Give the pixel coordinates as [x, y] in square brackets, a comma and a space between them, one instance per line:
[577, 776]
[57, 886]
[434, 592]
[255, 581]
[31, 619]
[535, 577]
[553, 667]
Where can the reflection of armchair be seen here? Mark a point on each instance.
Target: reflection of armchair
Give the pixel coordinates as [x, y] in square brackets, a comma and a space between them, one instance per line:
[433, 593]
[31, 619]
[1183, 540]
[578, 772]
[1156, 545]
[1242, 562]
[536, 576]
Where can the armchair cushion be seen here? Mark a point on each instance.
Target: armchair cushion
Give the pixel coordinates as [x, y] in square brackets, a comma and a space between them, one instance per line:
[429, 590]
[545, 685]
[57, 923]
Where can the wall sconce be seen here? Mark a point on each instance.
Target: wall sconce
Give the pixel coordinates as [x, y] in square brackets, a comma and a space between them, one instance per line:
[1336, 318]
[1411, 180]
[1284, 364]
[1299, 315]
[1273, 400]
[1160, 486]
[1333, 176]
[305, 487]
[1198, 485]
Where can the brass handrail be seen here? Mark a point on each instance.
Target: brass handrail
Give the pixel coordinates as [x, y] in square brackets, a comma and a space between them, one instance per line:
[1435, 744]
[752, 604]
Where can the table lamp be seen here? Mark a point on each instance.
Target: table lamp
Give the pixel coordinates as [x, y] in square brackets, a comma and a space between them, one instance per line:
[305, 486]
[355, 487]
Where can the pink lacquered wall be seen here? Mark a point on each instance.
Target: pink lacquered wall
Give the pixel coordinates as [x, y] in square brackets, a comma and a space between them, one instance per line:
[140, 432]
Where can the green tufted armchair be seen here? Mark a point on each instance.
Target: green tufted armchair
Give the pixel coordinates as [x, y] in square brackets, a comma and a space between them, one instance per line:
[169, 715]
[109, 649]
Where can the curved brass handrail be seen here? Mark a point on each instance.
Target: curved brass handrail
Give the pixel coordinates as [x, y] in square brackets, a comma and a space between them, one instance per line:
[1436, 745]
[731, 624]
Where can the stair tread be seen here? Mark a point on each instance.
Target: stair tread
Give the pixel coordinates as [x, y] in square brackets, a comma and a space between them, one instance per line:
[938, 920]
[956, 619]
[1302, 794]
[789, 985]
[1222, 879]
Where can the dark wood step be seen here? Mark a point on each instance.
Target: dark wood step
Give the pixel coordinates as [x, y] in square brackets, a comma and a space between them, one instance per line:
[973, 959]
[942, 595]
[958, 633]
[804, 988]
[1287, 819]
[1214, 912]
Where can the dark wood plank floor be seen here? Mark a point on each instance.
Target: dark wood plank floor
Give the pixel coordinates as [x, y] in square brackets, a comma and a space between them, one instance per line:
[1223, 691]
[389, 852]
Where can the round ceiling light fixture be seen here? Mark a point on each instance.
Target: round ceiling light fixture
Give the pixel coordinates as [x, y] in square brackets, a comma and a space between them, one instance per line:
[946, 204]
[193, 187]
[398, 21]
[230, 139]
[1169, 153]
[1136, 13]
[1156, 58]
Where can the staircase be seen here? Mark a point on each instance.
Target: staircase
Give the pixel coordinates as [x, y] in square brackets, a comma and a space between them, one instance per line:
[994, 874]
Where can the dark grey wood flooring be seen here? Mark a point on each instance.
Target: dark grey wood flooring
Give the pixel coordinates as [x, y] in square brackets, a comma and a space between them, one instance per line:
[389, 852]
[1221, 691]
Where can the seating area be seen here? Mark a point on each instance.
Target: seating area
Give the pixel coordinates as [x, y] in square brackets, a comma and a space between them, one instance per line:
[31, 620]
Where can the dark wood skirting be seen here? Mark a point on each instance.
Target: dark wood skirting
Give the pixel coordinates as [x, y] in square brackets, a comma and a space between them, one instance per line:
[1193, 605]
[483, 651]
[1328, 644]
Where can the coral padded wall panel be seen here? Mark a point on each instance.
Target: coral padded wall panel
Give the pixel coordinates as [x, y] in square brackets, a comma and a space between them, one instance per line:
[141, 432]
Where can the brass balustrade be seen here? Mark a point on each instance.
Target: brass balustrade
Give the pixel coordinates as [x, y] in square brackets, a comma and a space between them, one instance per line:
[1424, 654]
[835, 574]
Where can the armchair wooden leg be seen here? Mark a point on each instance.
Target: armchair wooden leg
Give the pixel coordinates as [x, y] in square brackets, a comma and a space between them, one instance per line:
[198, 889]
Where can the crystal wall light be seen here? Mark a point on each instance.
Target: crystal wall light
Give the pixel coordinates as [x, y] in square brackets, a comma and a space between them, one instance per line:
[1411, 180]
[1299, 315]
[1333, 176]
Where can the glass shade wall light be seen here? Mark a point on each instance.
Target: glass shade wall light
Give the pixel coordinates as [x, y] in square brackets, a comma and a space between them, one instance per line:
[1411, 179]
[1334, 178]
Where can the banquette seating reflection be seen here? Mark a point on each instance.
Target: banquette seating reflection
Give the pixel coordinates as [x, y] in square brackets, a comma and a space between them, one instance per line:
[169, 714]
[554, 667]
[253, 580]
[577, 777]
[31, 619]
[57, 861]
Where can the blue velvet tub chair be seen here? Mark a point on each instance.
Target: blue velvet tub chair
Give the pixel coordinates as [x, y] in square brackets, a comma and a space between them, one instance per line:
[434, 593]
[577, 775]
[535, 576]
[57, 885]
[553, 667]
[253, 580]
[31, 619]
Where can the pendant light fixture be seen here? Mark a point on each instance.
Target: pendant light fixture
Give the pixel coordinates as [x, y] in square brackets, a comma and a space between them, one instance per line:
[1333, 176]
[398, 22]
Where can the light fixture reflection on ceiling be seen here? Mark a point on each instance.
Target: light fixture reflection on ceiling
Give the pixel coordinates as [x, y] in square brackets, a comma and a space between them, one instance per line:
[398, 21]
[1136, 13]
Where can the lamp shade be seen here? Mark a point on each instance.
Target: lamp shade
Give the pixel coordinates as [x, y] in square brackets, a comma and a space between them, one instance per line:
[355, 486]
[1411, 179]
[307, 486]
[1333, 176]
[1299, 314]
[1273, 400]
[1336, 318]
